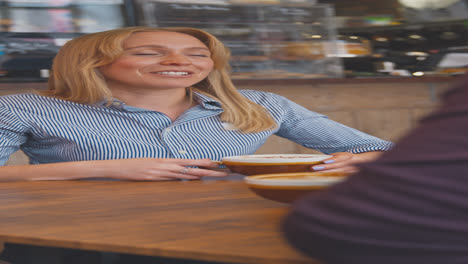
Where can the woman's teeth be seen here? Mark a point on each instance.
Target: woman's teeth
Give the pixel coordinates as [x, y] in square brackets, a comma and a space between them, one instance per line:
[172, 73]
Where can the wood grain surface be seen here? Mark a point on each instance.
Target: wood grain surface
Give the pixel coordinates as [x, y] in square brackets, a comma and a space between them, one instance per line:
[218, 220]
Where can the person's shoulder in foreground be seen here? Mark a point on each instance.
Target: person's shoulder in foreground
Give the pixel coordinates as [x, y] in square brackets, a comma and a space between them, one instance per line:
[409, 206]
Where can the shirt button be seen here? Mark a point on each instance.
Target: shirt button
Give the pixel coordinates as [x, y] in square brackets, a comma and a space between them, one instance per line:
[227, 126]
[182, 151]
[168, 129]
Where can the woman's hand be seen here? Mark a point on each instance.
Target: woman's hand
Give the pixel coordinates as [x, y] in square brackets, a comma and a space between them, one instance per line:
[153, 169]
[345, 161]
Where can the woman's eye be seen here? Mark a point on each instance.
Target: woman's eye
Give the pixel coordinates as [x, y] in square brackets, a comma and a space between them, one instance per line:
[147, 54]
[199, 55]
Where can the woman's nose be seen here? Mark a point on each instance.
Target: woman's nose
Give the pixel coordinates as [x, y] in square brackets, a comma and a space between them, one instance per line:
[174, 58]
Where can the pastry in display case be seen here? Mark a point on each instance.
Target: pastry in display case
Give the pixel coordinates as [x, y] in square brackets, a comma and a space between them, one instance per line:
[267, 39]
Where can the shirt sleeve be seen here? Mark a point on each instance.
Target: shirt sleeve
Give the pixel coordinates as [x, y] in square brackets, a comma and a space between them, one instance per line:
[12, 133]
[409, 206]
[316, 131]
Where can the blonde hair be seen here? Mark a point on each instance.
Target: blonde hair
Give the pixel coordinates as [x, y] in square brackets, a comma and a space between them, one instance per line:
[75, 76]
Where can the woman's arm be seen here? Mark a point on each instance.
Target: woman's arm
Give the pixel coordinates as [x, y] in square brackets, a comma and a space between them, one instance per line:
[313, 130]
[139, 169]
[348, 146]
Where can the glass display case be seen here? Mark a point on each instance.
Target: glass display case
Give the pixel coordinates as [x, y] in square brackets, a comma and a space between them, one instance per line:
[32, 31]
[268, 39]
[83, 16]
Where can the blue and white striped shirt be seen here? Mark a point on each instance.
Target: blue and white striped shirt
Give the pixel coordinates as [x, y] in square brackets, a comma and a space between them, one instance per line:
[51, 130]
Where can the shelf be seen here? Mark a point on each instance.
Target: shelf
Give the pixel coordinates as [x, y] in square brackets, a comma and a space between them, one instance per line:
[406, 26]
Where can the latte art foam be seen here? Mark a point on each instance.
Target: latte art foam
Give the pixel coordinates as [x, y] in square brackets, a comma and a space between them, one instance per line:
[277, 159]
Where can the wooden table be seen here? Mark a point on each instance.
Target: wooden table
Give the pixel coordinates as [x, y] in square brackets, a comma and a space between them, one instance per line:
[220, 220]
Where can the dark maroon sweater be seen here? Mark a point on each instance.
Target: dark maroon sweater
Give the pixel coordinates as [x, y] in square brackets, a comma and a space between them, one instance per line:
[409, 206]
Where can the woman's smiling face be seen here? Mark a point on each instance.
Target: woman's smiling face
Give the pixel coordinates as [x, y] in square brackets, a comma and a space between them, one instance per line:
[159, 60]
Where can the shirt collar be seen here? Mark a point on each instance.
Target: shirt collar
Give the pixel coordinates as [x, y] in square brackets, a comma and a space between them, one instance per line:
[203, 100]
[111, 103]
[206, 101]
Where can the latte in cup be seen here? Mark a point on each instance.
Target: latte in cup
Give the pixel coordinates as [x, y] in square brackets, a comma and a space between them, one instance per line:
[287, 187]
[273, 163]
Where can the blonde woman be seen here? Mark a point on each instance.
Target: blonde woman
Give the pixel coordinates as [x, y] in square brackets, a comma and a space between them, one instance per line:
[144, 103]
